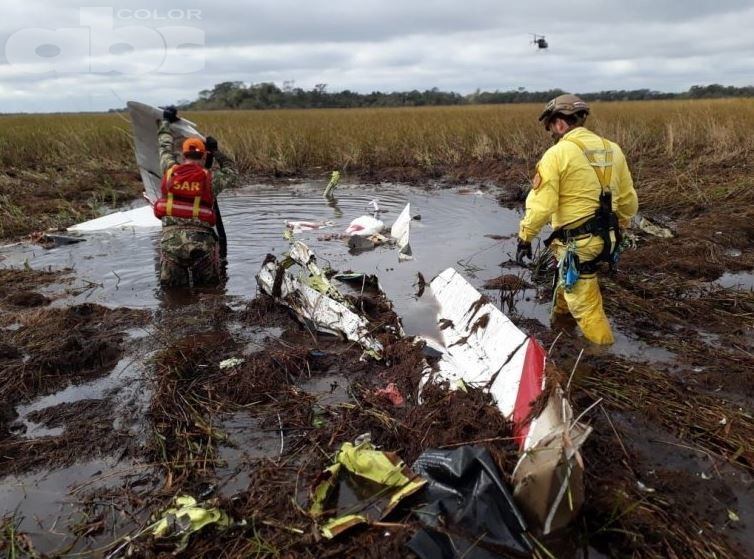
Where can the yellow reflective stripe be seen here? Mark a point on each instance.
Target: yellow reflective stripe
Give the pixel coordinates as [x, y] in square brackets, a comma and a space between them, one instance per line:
[608, 172]
[604, 176]
[197, 201]
[169, 205]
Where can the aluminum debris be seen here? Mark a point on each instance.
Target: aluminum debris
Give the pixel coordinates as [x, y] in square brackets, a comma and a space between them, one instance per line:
[297, 282]
[400, 231]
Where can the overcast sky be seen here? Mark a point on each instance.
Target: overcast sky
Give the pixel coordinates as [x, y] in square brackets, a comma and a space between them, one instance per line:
[60, 56]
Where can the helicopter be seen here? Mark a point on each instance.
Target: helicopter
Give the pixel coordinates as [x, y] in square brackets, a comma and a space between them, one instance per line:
[540, 41]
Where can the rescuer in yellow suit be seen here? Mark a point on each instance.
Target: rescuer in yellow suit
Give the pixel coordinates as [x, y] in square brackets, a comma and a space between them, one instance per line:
[583, 186]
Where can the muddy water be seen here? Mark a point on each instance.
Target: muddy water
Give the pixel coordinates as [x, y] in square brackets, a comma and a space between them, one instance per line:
[453, 228]
[118, 268]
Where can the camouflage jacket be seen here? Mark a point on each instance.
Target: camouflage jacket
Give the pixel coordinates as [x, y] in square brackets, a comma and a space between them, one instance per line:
[224, 174]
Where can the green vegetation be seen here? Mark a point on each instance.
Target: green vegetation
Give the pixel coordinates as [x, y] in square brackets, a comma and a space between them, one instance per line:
[238, 95]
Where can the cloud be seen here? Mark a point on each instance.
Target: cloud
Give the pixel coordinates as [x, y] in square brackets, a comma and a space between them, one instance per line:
[378, 45]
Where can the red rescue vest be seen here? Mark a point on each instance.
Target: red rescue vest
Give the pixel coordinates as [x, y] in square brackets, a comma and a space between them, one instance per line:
[187, 193]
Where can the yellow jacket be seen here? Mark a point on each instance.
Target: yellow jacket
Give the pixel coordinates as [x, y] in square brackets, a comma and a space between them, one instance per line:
[566, 190]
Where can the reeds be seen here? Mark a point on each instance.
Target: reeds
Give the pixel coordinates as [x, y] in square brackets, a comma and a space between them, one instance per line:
[55, 169]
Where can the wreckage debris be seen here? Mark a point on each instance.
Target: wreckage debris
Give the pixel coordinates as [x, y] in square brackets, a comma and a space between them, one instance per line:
[499, 356]
[301, 226]
[297, 282]
[481, 347]
[328, 194]
[400, 231]
[363, 485]
[469, 513]
[365, 226]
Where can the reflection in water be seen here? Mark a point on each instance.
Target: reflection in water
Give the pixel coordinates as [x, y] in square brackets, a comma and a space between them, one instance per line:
[122, 264]
[120, 267]
[333, 203]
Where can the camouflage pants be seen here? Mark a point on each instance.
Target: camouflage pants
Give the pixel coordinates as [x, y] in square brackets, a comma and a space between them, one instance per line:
[189, 256]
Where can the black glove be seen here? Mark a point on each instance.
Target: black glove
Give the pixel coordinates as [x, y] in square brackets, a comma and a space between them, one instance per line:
[211, 144]
[523, 250]
[170, 114]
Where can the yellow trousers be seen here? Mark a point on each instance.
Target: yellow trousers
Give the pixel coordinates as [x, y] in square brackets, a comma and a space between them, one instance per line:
[584, 302]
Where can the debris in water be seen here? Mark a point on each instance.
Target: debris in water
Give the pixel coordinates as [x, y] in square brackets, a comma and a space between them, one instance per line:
[421, 285]
[301, 226]
[52, 240]
[361, 244]
[400, 231]
[365, 226]
[330, 188]
[316, 302]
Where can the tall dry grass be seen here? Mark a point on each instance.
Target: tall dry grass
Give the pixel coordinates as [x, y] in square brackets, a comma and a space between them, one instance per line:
[677, 149]
[297, 141]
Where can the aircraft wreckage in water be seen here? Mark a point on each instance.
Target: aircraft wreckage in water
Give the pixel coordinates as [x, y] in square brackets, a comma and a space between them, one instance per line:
[480, 347]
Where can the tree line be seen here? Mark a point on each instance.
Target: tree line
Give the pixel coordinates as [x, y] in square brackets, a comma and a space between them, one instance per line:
[239, 95]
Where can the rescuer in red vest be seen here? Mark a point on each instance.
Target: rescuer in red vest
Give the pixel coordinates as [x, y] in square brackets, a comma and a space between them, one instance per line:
[189, 245]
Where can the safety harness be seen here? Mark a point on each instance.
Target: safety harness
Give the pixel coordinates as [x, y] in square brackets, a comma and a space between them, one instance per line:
[604, 219]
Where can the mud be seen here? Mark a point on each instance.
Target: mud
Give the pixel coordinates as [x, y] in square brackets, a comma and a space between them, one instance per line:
[135, 399]
[52, 348]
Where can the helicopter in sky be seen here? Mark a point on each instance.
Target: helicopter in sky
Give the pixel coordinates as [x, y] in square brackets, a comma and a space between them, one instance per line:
[540, 41]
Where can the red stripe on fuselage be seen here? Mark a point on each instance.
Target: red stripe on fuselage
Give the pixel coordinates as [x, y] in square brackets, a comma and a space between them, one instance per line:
[529, 389]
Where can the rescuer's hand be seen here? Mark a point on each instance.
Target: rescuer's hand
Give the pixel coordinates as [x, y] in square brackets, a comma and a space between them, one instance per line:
[523, 250]
[170, 114]
[211, 144]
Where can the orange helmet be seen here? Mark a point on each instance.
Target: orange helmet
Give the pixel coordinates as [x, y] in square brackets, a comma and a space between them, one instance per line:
[193, 145]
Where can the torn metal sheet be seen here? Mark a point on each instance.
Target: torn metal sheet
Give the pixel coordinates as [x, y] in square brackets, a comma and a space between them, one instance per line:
[400, 231]
[483, 348]
[297, 282]
[146, 122]
[301, 226]
[365, 226]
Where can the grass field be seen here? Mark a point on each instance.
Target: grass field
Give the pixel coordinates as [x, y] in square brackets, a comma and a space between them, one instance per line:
[57, 169]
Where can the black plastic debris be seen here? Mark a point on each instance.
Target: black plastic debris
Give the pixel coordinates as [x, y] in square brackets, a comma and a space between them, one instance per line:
[469, 512]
